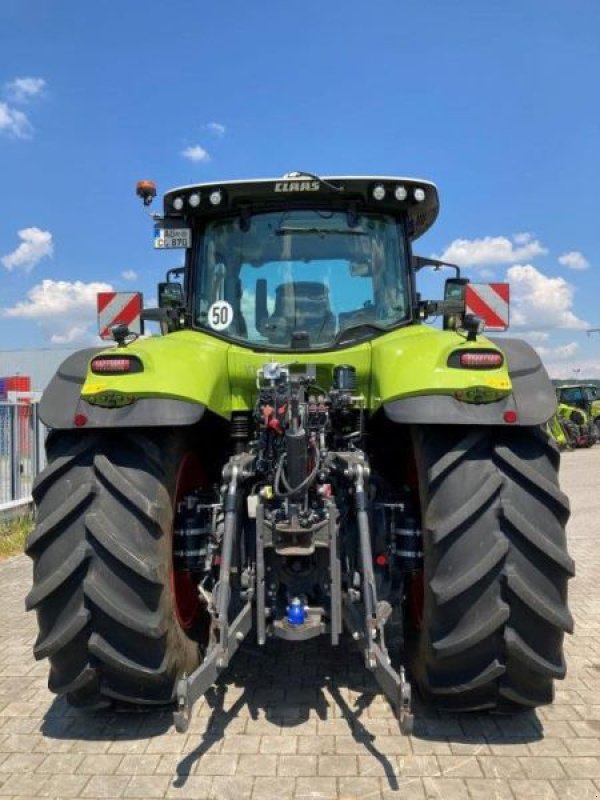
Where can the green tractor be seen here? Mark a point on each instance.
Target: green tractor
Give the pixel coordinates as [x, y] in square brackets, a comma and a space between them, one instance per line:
[580, 404]
[301, 454]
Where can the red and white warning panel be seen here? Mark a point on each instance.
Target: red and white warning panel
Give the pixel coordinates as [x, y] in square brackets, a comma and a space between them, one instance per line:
[491, 302]
[118, 308]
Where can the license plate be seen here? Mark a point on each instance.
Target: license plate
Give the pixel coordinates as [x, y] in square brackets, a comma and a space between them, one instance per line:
[170, 238]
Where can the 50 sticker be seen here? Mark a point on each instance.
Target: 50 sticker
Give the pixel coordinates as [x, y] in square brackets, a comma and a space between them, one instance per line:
[220, 315]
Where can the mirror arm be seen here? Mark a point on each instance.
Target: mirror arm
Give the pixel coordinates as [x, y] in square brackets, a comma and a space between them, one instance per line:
[168, 318]
[176, 272]
[436, 308]
[418, 262]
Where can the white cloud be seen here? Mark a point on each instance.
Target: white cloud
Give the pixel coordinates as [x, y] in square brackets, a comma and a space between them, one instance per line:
[77, 334]
[574, 259]
[195, 153]
[21, 90]
[217, 128]
[14, 122]
[522, 238]
[536, 336]
[129, 275]
[65, 310]
[50, 299]
[492, 250]
[540, 302]
[35, 245]
[559, 353]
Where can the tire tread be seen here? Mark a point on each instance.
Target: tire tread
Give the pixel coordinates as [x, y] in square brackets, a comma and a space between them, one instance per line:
[496, 568]
[101, 553]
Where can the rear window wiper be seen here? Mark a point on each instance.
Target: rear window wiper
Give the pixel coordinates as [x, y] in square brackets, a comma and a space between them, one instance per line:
[345, 231]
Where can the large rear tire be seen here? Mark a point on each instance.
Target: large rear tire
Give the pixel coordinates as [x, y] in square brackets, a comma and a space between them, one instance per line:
[103, 586]
[495, 568]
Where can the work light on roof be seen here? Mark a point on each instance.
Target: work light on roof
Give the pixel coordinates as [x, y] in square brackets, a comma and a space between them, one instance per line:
[146, 190]
[419, 195]
[216, 197]
[178, 203]
[400, 193]
[194, 200]
[379, 192]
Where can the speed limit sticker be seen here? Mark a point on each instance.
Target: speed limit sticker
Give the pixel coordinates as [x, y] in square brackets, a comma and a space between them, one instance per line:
[220, 315]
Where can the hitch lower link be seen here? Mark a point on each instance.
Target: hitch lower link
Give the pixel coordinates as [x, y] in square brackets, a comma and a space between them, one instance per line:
[368, 632]
[230, 635]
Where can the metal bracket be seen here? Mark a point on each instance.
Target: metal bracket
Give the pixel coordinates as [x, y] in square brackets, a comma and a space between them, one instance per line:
[191, 687]
[261, 628]
[230, 635]
[335, 574]
[368, 632]
[394, 685]
[311, 628]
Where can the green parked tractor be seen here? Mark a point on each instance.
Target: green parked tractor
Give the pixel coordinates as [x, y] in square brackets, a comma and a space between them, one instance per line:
[301, 454]
[580, 403]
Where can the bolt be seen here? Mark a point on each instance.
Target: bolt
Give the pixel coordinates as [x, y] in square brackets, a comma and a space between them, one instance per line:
[371, 663]
[356, 636]
[220, 663]
[239, 636]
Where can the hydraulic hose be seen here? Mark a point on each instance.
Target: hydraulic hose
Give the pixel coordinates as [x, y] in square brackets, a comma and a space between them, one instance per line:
[290, 491]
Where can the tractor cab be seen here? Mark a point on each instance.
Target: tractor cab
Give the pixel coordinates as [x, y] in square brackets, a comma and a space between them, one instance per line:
[299, 262]
[581, 396]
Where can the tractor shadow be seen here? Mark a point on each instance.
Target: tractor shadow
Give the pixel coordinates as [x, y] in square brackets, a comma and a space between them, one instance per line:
[284, 686]
[61, 721]
[312, 689]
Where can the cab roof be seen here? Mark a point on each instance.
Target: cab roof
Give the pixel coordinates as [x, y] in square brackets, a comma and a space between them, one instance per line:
[413, 197]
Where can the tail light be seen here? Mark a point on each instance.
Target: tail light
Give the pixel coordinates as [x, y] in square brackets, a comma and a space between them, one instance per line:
[115, 365]
[476, 359]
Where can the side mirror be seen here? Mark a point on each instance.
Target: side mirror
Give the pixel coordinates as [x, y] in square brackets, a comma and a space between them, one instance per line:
[170, 295]
[454, 290]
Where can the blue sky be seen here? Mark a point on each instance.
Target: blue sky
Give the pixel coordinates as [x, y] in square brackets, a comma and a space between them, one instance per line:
[496, 102]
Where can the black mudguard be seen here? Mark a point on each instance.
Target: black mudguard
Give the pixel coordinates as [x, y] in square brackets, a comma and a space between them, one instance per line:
[62, 402]
[533, 396]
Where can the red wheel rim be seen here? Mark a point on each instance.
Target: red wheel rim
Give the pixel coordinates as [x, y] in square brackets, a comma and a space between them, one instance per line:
[190, 476]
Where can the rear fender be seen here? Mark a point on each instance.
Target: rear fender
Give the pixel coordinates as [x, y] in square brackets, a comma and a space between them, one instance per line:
[62, 406]
[532, 397]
